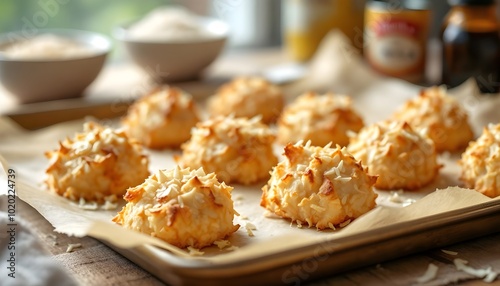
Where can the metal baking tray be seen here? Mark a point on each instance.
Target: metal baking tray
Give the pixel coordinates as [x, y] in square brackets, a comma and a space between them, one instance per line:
[294, 266]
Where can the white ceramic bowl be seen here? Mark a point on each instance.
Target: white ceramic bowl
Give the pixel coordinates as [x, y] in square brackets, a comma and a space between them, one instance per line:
[175, 60]
[34, 80]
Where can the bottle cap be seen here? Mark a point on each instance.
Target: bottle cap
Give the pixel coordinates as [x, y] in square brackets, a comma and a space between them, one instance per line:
[471, 2]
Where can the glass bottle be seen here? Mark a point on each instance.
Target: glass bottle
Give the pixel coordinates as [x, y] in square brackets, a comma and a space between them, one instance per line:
[471, 44]
[396, 34]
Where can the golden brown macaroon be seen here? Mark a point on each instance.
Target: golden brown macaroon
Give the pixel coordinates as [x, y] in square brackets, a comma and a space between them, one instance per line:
[180, 206]
[162, 119]
[480, 162]
[98, 164]
[320, 119]
[441, 116]
[320, 186]
[399, 156]
[248, 97]
[236, 149]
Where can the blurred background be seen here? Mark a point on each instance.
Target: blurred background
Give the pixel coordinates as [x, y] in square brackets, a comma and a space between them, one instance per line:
[256, 23]
[253, 23]
[263, 33]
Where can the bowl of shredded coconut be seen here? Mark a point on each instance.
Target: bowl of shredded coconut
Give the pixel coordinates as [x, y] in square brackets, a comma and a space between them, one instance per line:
[173, 44]
[51, 63]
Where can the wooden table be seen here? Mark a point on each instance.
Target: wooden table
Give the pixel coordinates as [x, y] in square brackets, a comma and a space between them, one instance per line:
[96, 264]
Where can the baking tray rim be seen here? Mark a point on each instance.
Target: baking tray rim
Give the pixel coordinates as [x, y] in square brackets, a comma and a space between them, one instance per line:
[202, 269]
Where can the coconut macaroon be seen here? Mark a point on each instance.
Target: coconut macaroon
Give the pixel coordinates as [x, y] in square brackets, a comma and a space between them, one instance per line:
[441, 116]
[236, 149]
[248, 97]
[180, 206]
[162, 118]
[320, 186]
[96, 165]
[320, 119]
[480, 162]
[401, 157]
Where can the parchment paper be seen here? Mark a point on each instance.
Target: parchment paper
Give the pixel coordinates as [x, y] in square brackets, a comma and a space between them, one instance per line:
[336, 67]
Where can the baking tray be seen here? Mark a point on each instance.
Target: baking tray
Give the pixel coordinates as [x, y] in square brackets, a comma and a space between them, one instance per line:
[294, 266]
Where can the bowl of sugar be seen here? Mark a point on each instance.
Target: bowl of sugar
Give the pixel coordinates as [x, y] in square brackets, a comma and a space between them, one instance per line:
[51, 63]
[172, 44]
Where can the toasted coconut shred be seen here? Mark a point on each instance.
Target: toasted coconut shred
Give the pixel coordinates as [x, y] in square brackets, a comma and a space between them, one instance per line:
[183, 207]
[109, 205]
[319, 186]
[398, 198]
[86, 205]
[487, 274]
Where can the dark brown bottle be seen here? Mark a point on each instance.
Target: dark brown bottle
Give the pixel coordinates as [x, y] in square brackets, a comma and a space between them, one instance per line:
[471, 45]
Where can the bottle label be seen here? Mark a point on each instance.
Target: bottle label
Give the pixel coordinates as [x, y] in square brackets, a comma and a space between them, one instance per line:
[395, 43]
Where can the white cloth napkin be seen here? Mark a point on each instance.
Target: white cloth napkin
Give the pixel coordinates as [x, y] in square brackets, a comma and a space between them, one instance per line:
[32, 265]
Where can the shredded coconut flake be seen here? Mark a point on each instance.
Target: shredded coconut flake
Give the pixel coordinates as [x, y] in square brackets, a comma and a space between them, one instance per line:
[331, 172]
[330, 225]
[249, 227]
[92, 206]
[181, 202]
[341, 166]
[449, 252]
[222, 243]
[108, 205]
[73, 246]
[194, 251]
[239, 198]
[299, 224]
[318, 208]
[430, 274]
[269, 214]
[345, 223]
[398, 199]
[488, 274]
